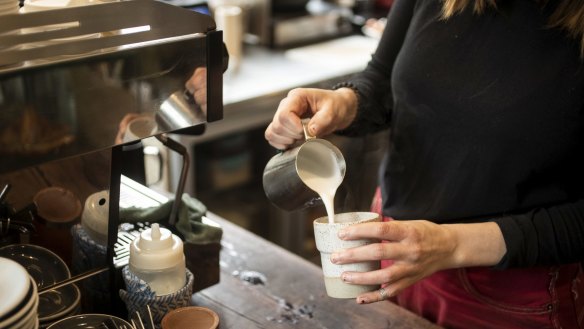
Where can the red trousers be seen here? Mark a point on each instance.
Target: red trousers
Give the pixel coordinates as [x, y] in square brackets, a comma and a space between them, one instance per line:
[542, 297]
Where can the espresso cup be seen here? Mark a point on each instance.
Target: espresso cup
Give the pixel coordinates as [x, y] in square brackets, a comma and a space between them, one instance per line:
[327, 242]
[139, 128]
[193, 317]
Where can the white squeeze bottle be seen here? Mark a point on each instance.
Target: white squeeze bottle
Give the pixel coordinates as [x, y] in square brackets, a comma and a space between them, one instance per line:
[157, 257]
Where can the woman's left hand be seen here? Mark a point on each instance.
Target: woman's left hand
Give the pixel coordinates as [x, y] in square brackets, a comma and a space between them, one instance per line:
[417, 249]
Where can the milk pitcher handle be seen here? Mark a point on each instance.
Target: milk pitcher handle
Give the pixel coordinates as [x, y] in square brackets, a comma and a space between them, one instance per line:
[307, 135]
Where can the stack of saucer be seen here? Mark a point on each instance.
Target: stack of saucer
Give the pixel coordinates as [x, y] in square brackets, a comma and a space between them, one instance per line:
[46, 268]
[18, 297]
[8, 7]
[91, 321]
[59, 304]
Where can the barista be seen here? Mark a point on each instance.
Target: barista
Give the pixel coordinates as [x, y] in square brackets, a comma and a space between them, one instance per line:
[481, 186]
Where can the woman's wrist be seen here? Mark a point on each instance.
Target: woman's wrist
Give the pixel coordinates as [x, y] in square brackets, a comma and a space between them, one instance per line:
[351, 101]
[479, 244]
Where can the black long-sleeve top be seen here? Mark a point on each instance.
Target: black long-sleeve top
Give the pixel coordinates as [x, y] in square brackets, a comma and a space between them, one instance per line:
[486, 124]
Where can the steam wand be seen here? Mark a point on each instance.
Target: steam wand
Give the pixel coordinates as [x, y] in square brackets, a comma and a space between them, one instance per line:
[179, 148]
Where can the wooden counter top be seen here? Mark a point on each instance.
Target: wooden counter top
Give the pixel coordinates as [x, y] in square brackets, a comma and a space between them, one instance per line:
[265, 286]
[262, 285]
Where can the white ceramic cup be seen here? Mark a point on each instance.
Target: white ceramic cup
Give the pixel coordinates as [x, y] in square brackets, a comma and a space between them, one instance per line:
[327, 242]
[139, 128]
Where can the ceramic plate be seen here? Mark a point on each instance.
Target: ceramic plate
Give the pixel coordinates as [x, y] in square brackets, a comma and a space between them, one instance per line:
[44, 266]
[29, 318]
[56, 304]
[32, 323]
[87, 321]
[14, 286]
[24, 313]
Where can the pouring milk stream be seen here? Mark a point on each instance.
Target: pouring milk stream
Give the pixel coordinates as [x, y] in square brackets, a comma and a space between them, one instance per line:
[321, 172]
[323, 180]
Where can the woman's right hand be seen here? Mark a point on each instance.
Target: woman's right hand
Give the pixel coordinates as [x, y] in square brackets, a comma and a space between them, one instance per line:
[329, 110]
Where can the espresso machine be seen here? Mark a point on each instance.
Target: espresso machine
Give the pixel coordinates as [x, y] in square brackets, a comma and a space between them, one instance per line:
[70, 77]
[81, 67]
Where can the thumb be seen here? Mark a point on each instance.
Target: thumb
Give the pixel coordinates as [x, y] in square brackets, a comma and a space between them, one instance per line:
[321, 123]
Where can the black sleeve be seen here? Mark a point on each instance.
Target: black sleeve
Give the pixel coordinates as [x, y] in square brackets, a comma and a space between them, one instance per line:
[374, 83]
[544, 236]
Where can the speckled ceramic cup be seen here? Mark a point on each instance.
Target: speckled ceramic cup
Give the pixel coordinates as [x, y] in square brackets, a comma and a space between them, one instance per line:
[327, 242]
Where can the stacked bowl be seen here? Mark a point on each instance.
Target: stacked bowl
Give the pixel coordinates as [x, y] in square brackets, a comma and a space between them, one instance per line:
[18, 297]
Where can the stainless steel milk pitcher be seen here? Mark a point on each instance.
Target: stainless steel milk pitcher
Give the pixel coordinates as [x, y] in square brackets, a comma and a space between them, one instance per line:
[283, 179]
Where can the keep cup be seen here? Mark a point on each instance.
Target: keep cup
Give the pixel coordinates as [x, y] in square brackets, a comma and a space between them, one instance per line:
[327, 242]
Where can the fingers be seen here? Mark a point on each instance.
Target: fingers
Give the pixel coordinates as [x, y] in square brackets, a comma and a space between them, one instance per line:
[388, 275]
[200, 96]
[393, 279]
[281, 141]
[286, 127]
[287, 121]
[375, 251]
[391, 231]
[382, 294]
[321, 124]
[375, 296]
[417, 248]
[417, 241]
[197, 81]
[325, 107]
[389, 290]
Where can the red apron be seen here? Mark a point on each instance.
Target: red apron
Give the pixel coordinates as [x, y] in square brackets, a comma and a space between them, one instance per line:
[482, 297]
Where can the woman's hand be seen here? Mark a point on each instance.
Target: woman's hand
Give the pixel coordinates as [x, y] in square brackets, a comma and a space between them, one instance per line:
[197, 86]
[330, 110]
[417, 248]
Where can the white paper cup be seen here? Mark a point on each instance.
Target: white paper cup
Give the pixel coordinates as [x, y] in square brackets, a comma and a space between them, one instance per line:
[230, 19]
[327, 242]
